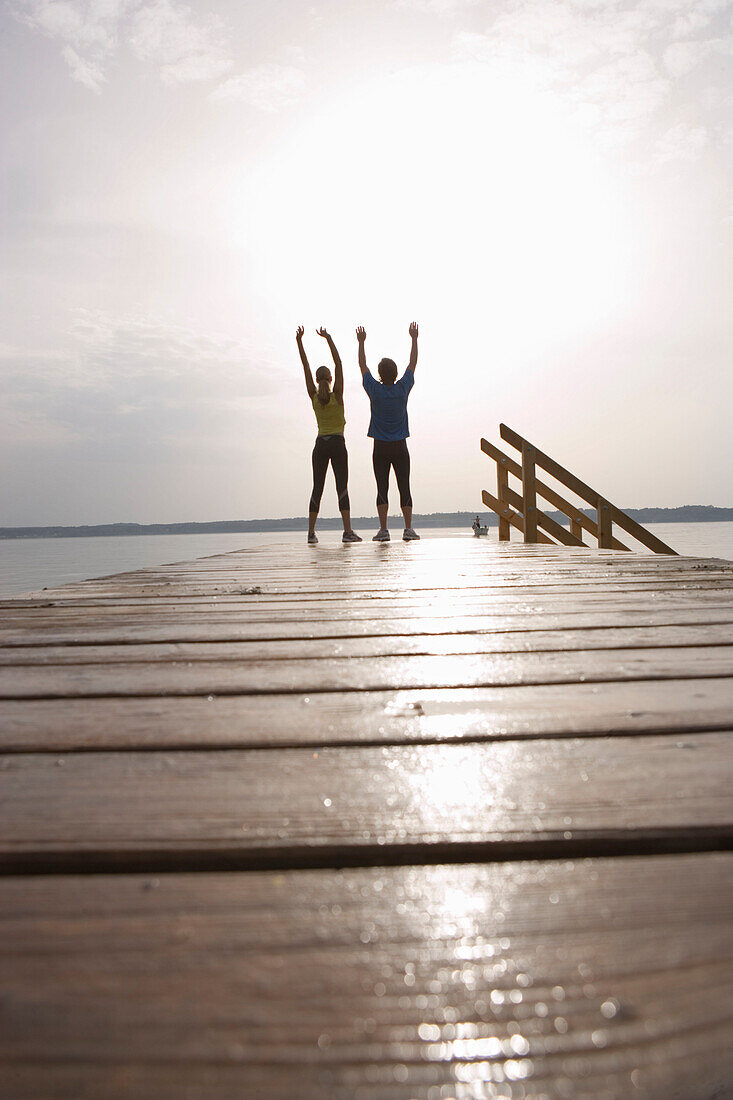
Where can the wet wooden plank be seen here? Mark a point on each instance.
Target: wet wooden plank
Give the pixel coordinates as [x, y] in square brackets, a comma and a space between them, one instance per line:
[376, 673]
[292, 807]
[401, 596]
[537, 641]
[24, 624]
[61, 629]
[489, 601]
[556, 710]
[594, 980]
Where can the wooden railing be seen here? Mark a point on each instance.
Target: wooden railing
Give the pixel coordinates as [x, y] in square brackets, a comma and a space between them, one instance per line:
[521, 510]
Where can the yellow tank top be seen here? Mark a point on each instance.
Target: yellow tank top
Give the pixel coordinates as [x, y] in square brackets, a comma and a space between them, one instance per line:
[331, 417]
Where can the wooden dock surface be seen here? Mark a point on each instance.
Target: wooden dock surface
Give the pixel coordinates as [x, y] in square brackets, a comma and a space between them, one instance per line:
[381, 822]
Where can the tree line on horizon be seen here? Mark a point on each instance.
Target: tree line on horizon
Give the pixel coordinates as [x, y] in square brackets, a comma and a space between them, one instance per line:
[688, 513]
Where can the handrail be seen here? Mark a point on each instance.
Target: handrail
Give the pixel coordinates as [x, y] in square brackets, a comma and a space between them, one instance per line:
[608, 513]
[578, 520]
[528, 518]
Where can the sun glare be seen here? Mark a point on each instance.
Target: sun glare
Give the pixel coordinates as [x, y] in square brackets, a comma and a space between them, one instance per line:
[446, 189]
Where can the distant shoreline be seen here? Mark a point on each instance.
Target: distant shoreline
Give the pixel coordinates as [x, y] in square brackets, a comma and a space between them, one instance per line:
[689, 513]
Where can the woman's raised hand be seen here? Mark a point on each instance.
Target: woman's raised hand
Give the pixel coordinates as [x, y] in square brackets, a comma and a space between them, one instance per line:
[299, 332]
[322, 332]
[413, 329]
[361, 334]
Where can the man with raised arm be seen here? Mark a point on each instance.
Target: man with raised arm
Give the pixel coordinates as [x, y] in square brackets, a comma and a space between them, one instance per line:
[389, 429]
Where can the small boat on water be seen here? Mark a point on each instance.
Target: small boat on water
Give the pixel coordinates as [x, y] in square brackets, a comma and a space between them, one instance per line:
[479, 529]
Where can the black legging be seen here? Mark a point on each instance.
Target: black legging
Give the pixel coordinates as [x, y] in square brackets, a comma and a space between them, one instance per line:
[396, 455]
[330, 448]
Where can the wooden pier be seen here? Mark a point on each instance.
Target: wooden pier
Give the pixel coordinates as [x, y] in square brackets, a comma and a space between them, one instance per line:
[382, 822]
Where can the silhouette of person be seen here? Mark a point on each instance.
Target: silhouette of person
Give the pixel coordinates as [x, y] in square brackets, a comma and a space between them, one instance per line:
[330, 445]
[389, 429]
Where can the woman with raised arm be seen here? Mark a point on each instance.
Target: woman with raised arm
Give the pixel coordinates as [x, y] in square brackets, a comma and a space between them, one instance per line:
[330, 446]
[389, 429]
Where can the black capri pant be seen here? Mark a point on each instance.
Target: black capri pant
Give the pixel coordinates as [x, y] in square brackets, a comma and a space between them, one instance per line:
[330, 448]
[392, 455]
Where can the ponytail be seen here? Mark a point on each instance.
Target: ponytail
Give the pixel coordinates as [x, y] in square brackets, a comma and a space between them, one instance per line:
[324, 392]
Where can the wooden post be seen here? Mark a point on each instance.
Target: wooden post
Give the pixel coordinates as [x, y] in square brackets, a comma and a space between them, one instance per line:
[576, 529]
[529, 493]
[605, 524]
[516, 519]
[502, 484]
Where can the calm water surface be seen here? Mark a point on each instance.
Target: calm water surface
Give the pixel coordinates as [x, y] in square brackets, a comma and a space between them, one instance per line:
[27, 564]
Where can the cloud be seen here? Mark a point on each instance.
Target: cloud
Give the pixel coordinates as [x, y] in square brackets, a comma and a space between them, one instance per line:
[88, 29]
[23, 421]
[86, 72]
[616, 62]
[167, 35]
[437, 7]
[269, 87]
[681, 143]
[89, 24]
[131, 379]
[111, 347]
[184, 46]
[681, 57]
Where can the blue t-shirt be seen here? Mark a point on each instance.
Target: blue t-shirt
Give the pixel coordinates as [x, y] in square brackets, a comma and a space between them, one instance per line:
[389, 407]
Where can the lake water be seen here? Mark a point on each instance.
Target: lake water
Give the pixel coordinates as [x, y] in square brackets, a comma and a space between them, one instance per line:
[27, 564]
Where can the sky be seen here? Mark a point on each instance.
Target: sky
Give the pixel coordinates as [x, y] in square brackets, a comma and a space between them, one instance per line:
[544, 185]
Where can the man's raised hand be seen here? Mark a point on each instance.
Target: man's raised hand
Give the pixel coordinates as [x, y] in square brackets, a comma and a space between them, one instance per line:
[413, 349]
[299, 332]
[322, 332]
[361, 334]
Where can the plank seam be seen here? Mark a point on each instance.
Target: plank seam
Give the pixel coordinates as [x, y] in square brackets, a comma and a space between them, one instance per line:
[266, 638]
[360, 743]
[699, 841]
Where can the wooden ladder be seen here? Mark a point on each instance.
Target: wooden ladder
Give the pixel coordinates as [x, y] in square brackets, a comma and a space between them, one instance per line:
[521, 510]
